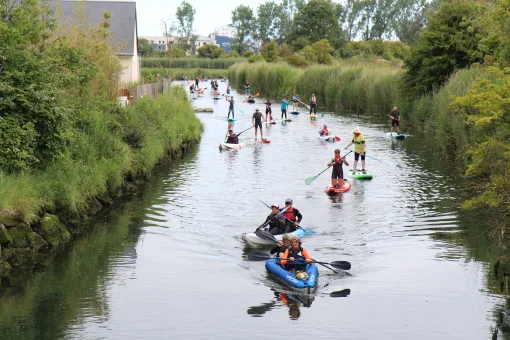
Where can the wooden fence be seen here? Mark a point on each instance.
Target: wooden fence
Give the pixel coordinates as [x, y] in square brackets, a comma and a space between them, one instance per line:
[154, 89]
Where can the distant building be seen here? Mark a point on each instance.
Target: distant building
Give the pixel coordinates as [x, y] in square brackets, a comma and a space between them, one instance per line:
[160, 43]
[202, 41]
[228, 31]
[123, 29]
[224, 42]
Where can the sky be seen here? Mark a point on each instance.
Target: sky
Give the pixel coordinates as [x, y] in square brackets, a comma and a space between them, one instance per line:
[209, 14]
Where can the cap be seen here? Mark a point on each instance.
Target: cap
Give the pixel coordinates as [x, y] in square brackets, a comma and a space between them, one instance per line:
[256, 110]
[288, 200]
[356, 130]
[275, 206]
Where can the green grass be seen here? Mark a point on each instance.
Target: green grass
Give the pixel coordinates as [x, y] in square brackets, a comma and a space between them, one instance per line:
[111, 145]
[190, 62]
[150, 74]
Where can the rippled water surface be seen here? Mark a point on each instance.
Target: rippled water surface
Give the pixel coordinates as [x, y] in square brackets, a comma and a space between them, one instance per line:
[169, 263]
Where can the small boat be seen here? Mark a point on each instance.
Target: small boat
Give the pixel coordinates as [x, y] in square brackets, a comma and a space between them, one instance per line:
[225, 146]
[360, 174]
[329, 138]
[224, 80]
[313, 117]
[252, 240]
[295, 112]
[399, 135]
[295, 281]
[333, 190]
[251, 101]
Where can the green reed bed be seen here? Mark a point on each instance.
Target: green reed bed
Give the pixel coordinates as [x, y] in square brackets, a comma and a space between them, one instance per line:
[191, 62]
[109, 145]
[150, 74]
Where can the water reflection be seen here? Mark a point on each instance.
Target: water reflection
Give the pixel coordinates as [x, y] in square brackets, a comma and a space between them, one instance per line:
[293, 302]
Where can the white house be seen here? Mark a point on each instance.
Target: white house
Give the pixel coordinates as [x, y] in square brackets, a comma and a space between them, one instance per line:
[228, 31]
[123, 29]
[201, 41]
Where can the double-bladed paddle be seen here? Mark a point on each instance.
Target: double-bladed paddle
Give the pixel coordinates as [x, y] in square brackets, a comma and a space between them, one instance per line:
[310, 180]
[267, 222]
[261, 256]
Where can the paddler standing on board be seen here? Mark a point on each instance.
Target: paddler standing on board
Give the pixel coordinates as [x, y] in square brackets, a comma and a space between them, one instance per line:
[395, 120]
[230, 106]
[337, 177]
[295, 102]
[292, 217]
[360, 148]
[257, 123]
[313, 104]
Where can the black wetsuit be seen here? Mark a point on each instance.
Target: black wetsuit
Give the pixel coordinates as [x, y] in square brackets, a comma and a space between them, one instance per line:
[258, 119]
[395, 115]
[278, 249]
[338, 171]
[276, 224]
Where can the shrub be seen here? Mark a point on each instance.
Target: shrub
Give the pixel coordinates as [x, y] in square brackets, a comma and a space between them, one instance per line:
[255, 58]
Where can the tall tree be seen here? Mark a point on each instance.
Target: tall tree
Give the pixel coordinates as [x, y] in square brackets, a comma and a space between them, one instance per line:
[145, 47]
[185, 20]
[269, 16]
[451, 41]
[317, 20]
[289, 10]
[383, 18]
[410, 20]
[353, 9]
[244, 22]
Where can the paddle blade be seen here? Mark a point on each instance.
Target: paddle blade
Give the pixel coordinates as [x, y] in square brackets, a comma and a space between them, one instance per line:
[313, 123]
[258, 256]
[341, 265]
[310, 180]
[257, 94]
[266, 235]
[338, 139]
[341, 293]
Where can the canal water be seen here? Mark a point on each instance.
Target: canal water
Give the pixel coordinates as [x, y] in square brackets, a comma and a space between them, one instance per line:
[169, 262]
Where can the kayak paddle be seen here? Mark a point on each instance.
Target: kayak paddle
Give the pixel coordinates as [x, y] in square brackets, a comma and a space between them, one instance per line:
[251, 127]
[267, 222]
[310, 180]
[261, 256]
[375, 159]
[410, 125]
[267, 205]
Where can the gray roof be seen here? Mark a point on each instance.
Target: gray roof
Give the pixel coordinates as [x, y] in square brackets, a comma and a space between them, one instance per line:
[122, 22]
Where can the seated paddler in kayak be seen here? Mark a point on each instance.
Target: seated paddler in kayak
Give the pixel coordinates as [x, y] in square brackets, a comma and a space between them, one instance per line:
[324, 131]
[275, 222]
[337, 177]
[250, 97]
[297, 256]
[282, 246]
[292, 217]
[232, 138]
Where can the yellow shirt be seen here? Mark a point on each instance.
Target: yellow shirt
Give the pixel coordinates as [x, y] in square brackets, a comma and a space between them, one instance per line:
[358, 143]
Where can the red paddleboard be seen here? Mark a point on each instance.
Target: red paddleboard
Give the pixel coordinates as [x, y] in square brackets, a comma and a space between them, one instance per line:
[271, 122]
[333, 190]
[263, 141]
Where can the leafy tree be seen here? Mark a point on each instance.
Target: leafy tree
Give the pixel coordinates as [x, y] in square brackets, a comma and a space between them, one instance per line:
[410, 20]
[323, 52]
[486, 106]
[449, 42]
[210, 51]
[309, 54]
[289, 10]
[178, 53]
[268, 22]
[351, 16]
[284, 51]
[318, 20]
[299, 43]
[185, 20]
[146, 48]
[244, 22]
[233, 54]
[255, 58]
[270, 52]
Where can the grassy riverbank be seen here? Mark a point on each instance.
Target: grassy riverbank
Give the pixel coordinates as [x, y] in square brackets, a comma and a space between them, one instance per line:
[114, 144]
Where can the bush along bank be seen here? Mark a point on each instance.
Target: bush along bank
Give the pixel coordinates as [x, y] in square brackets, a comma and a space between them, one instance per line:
[113, 148]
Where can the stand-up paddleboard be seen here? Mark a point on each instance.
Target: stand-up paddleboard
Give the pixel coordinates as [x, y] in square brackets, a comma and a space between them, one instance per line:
[396, 135]
[263, 141]
[216, 98]
[333, 190]
[231, 119]
[295, 112]
[286, 120]
[251, 101]
[225, 146]
[271, 123]
[360, 175]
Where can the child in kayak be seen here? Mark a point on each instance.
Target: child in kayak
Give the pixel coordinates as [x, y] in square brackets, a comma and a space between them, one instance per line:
[282, 246]
[232, 138]
[268, 109]
[337, 177]
[276, 224]
[295, 257]
[324, 131]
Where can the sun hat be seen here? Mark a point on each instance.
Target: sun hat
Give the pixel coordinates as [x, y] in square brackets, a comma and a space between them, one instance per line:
[356, 130]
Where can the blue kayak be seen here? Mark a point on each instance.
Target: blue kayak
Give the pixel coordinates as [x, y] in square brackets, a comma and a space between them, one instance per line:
[306, 286]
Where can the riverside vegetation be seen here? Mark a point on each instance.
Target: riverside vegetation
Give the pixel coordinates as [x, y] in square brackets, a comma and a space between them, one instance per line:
[66, 146]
